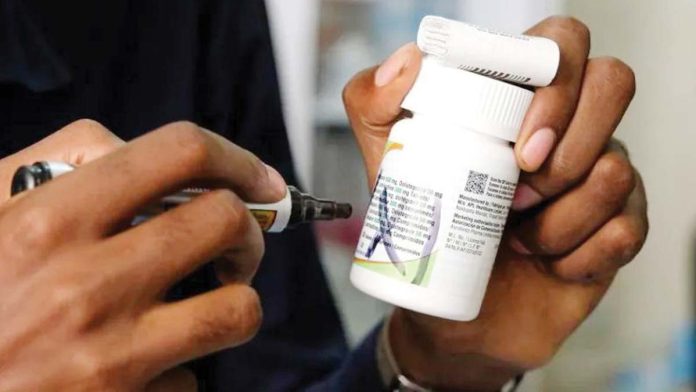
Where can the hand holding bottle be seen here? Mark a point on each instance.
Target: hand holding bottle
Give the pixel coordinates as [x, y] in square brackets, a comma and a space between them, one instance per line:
[581, 215]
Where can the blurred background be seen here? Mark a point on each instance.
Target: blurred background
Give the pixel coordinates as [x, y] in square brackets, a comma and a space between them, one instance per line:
[641, 337]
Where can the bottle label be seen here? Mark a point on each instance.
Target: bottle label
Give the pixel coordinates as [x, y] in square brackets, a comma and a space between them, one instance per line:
[428, 232]
[272, 217]
[266, 218]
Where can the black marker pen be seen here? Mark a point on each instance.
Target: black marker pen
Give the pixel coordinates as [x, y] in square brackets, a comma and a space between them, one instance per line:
[295, 208]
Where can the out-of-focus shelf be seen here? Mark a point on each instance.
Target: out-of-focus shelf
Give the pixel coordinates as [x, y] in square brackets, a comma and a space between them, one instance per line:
[330, 113]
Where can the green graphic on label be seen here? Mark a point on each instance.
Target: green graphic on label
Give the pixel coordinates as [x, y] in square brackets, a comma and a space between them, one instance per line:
[400, 231]
[416, 271]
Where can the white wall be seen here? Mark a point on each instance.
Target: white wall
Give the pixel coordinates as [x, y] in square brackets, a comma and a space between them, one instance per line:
[508, 15]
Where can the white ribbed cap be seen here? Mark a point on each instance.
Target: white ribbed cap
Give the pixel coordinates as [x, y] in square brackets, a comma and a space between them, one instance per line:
[468, 99]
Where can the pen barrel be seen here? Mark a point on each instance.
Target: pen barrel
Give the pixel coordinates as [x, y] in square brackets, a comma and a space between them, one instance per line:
[296, 207]
[272, 217]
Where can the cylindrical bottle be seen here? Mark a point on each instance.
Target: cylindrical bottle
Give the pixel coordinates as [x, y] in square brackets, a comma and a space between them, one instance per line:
[443, 193]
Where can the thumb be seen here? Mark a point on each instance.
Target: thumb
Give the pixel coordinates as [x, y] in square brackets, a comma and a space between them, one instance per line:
[374, 95]
[373, 100]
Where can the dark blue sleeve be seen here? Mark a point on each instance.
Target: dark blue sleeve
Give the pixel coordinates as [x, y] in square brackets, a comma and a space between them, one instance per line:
[301, 345]
[358, 372]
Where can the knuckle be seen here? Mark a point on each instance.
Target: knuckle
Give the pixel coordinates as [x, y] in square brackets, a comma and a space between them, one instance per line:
[563, 172]
[571, 25]
[616, 74]
[93, 367]
[549, 239]
[620, 147]
[617, 172]
[36, 228]
[91, 132]
[71, 303]
[191, 144]
[232, 211]
[87, 135]
[232, 322]
[553, 243]
[86, 128]
[625, 240]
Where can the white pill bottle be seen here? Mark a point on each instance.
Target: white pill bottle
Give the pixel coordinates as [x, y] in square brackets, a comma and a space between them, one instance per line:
[443, 193]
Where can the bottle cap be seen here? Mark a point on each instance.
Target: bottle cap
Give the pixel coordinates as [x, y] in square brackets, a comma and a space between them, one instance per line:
[520, 59]
[467, 99]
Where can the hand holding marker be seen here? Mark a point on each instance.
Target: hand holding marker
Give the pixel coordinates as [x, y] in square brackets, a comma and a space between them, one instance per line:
[295, 208]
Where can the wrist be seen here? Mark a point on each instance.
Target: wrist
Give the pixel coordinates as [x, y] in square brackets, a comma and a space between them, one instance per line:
[423, 359]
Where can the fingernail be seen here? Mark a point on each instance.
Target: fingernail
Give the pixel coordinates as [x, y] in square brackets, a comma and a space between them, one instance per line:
[519, 247]
[276, 181]
[525, 197]
[392, 67]
[537, 148]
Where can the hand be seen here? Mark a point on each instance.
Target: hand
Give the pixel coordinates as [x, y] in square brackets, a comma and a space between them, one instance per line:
[581, 216]
[82, 292]
[77, 143]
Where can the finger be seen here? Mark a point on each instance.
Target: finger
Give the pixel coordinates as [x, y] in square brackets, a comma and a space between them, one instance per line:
[569, 220]
[608, 88]
[174, 244]
[76, 143]
[178, 332]
[112, 189]
[610, 248]
[375, 94]
[552, 107]
[175, 380]
[373, 100]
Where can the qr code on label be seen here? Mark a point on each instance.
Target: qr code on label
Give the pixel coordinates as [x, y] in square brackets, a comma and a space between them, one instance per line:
[476, 183]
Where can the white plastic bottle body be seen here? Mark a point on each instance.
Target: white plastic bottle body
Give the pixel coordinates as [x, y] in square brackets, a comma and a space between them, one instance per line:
[436, 218]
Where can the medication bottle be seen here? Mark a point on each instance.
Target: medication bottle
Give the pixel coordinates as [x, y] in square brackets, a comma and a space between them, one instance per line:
[442, 194]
